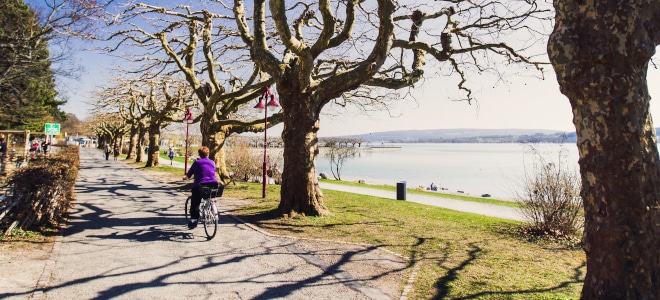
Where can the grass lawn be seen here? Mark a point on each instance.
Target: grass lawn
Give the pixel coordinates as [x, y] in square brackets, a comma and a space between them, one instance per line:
[459, 255]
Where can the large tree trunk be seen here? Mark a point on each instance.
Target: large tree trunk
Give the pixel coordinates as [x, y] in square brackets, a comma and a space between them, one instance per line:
[600, 51]
[214, 139]
[154, 145]
[300, 192]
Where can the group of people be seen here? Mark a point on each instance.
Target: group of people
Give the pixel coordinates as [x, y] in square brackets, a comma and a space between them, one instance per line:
[37, 147]
[115, 150]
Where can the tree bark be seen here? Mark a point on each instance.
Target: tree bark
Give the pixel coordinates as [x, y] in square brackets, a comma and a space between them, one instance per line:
[215, 140]
[154, 147]
[132, 143]
[300, 192]
[600, 51]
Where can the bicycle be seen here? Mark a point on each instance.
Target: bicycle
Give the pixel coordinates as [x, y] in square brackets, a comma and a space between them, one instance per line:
[208, 211]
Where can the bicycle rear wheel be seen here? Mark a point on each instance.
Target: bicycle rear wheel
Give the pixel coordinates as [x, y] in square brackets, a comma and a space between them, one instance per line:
[187, 210]
[210, 220]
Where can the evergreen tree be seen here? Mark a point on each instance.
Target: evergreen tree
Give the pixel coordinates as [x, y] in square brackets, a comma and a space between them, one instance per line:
[27, 84]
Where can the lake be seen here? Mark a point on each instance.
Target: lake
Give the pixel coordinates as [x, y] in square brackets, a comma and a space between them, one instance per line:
[475, 169]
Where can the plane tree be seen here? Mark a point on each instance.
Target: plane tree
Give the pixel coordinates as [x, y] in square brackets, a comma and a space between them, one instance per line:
[601, 51]
[114, 98]
[147, 105]
[199, 46]
[108, 127]
[317, 51]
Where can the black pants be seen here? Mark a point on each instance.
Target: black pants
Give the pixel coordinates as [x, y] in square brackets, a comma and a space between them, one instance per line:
[196, 198]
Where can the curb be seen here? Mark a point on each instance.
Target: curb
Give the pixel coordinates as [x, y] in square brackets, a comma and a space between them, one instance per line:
[44, 278]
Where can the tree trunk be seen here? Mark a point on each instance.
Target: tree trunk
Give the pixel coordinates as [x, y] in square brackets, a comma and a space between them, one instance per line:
[219, 157]
[154, 147]
[132, 143]
[139, 146]
[214, 139]
[300, 192]
[600, 51]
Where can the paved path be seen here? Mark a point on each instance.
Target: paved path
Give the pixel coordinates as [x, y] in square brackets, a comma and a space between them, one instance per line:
[127, 239]
[497, 211]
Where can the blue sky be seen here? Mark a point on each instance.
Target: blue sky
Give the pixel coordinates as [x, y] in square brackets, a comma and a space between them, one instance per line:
[527, 103]
[524, 103]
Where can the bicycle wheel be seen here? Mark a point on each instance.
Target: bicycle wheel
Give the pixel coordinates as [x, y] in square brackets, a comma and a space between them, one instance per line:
[186, 210]
[210, 220]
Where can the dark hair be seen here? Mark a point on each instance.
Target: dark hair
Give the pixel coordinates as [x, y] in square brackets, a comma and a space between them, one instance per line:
[203, 152]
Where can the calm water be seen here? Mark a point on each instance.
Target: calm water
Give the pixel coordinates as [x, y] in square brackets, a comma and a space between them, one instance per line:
[495, 169]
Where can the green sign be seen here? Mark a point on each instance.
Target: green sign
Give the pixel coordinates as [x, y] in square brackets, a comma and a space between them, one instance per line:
[52, 129]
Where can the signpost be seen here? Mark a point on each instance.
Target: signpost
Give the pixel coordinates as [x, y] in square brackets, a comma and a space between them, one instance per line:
[52, 129]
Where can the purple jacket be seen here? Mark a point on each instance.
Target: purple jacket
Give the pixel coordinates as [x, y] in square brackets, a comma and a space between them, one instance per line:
[203, 170]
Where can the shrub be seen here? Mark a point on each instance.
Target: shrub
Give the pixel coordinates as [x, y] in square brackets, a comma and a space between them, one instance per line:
[42, 191]
[550, 197]
[243, 164]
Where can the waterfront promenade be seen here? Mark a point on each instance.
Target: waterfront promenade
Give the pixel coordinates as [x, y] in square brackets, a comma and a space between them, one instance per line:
[490, 210]
[127, 239]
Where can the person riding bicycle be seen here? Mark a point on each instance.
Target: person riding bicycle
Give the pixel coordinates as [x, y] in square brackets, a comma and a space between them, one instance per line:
[203, 170]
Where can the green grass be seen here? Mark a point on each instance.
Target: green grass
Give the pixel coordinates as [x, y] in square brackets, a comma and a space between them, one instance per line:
[461, 255]
[428, 193]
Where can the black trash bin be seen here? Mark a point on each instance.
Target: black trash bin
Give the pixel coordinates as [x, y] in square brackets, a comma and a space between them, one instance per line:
[401, 190]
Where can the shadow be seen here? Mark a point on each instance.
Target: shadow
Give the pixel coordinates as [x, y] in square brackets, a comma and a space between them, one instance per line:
[111, 207]
[272, 220]
[442, 284]
[578, 274]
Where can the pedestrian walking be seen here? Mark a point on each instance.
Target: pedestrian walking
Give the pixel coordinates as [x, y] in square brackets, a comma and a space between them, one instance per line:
[116, 151]
[106, 151]
[170, 153]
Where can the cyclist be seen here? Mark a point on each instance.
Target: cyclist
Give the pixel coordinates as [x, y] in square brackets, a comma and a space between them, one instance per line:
[203, 170]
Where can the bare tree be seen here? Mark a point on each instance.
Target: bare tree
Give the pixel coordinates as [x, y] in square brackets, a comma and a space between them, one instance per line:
[149, 104]
[109, 128]
[318, 51]
[199, 45]
[600, 51]
[338, 152]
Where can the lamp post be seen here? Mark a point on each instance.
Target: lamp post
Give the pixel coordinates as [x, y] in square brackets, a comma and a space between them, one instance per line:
[261, 106]
[188, 118]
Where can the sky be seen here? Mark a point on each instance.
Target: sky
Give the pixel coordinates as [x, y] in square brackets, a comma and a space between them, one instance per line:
[526, 103]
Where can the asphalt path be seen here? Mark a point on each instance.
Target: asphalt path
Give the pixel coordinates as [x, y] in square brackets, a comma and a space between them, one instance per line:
[127, 239]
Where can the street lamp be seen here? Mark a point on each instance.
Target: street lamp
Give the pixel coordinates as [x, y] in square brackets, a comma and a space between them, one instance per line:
[188, 118]
[261, 106]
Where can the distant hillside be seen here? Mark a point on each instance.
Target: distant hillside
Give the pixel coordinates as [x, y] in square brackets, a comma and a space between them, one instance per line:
[465, 135]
